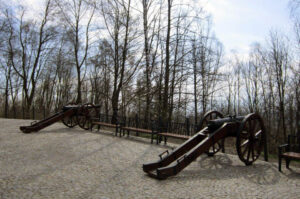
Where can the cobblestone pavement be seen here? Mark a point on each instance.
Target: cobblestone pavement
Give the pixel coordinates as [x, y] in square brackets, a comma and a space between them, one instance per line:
[59, 162]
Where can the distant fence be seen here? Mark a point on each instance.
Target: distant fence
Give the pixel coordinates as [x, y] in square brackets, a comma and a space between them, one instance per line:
[180, 128]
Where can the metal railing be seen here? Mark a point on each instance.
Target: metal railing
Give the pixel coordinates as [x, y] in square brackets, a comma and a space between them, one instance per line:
[180, 128]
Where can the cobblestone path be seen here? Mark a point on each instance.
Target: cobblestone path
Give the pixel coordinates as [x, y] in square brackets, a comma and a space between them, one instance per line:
[59, 162]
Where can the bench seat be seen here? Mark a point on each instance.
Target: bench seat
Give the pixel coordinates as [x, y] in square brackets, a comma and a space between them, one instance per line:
[105, 124]
[139, 130]
[289, 151]
[173, 135]
[99, 124]
[292, 155]
[167, 134]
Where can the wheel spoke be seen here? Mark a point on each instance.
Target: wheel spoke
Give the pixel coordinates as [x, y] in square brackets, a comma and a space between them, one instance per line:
[249, 138]
[247, 127]
[246, 142]
[246, 149]
[248, 155]
[250, 126]
[84, 114]
[207, 117]
[244, 135]
[256, 125]
[258, 133]
[252, 150]
[70, 121]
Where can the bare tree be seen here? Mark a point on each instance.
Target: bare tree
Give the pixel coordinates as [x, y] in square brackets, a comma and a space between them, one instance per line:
[206, 60]
[151, 25]
[279, 61]
[27, 51]
[165, 97]
[295, 15]
[250, 76]
[77, 16]
[119, 24]
[102, 75]
[5, 67]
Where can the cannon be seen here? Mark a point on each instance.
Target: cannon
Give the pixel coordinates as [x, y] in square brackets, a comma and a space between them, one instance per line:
[248, 130]
[70, 115]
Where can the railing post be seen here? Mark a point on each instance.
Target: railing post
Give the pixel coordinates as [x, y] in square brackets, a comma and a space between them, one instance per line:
[44, 111]
[187, 122]
[137, 123]
[124, 121]
[160, 125]
[107, 118]
[23, 110]
[265, 148]
[33, 115]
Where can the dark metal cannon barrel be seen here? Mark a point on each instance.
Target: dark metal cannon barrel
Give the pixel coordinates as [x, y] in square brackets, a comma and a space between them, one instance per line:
[71, 115]
[67, 107]
[217, 123]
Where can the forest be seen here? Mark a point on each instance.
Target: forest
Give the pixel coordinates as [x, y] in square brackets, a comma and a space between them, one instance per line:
[151, 58]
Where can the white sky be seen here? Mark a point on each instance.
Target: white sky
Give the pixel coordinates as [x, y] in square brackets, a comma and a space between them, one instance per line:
[238, 23]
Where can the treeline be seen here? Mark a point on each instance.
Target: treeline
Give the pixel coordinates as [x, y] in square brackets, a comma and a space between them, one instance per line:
[157, 59]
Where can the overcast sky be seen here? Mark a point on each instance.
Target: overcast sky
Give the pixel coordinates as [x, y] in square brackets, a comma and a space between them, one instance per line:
[239, 23]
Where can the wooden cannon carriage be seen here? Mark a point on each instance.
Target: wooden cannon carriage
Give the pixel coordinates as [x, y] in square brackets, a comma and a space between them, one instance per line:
[250, 136]
[70, 115]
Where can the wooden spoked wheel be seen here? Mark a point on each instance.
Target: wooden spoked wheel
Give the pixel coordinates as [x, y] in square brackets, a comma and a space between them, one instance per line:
[211, 115]
[70, 121]
[84, 114]
[250, 138]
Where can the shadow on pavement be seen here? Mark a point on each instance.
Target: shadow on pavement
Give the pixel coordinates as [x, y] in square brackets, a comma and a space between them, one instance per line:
[221, 167]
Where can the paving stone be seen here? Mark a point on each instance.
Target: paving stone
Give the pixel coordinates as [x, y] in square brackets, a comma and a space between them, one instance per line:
[61, 162]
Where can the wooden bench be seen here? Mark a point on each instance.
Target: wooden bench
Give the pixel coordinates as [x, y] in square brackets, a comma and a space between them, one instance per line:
[289, 151]
[140, 130]
[172, 135]
[99, 124]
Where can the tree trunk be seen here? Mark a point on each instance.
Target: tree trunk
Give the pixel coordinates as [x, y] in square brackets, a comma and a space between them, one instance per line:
[147, 59]
[167, 69]
[195, 83]
[79, 98]
[6, 98]
[117, 90]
